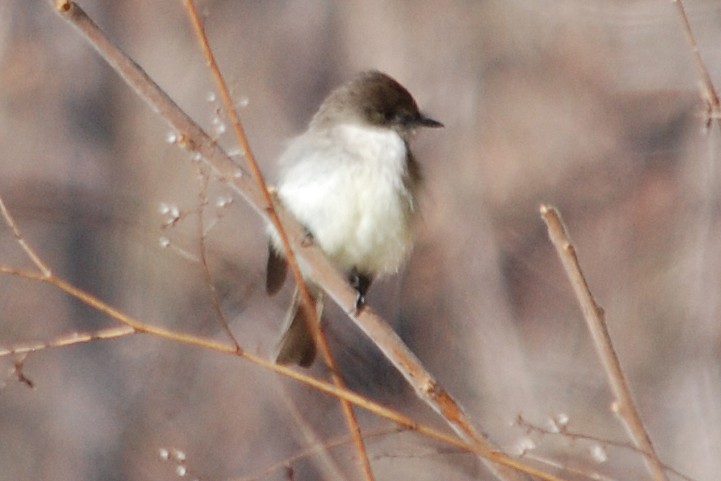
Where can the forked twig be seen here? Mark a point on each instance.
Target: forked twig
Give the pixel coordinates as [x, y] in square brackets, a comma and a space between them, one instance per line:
[595, 320]
[10, 221]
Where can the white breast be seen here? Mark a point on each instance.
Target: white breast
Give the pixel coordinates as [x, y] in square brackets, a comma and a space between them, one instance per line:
[346, 186]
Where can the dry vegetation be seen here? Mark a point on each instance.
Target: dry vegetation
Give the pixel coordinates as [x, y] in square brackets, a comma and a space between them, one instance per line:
[591, 106]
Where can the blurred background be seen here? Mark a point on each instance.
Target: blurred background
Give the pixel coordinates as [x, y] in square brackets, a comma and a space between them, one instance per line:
[591, 106]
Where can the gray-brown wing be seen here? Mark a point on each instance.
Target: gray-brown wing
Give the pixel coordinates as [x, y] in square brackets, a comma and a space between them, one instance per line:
[275, 272]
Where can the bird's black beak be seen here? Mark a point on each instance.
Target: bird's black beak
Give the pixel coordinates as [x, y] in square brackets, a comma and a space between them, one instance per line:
[424, 121]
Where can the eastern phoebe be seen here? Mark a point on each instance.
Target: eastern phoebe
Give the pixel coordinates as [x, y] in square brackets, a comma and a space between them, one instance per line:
[351, 180]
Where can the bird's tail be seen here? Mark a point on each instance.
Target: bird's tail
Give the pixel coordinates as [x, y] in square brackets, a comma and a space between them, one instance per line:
[296, 345]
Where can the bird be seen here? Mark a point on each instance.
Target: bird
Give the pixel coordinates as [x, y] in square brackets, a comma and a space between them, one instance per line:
[352, 182]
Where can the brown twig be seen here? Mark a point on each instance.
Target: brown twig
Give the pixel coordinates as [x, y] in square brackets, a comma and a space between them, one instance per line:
[215, 301]
[307, 304]
[68, 340]
[10, 221]
[324, 274]
[268, 204]
[18, 372]
[710, 96]
[328, 466]
[595, 320]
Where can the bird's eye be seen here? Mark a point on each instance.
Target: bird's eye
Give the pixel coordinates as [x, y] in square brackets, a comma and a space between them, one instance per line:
[395, 118]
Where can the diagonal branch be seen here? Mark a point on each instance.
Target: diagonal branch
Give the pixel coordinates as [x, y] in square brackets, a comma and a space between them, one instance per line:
[306, 304]
[709, 91]
[10, 221]
[203, 179]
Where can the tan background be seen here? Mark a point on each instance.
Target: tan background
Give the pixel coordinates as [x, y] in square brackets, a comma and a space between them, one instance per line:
[592, 106]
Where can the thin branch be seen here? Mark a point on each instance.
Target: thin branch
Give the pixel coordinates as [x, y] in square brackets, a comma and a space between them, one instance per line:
[311, 450]
[10, 221]
[595, 320]
[328, 466]
[320, 269]
[18, 372]
[247, 152]
[69, 340]
[307, 304]
[215, 301]
[584, 472]
[710, 95]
